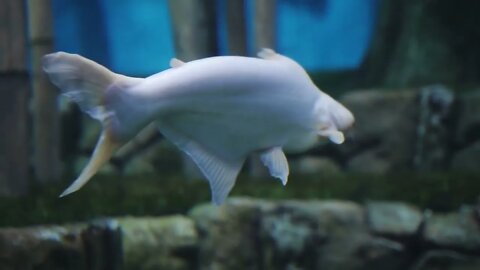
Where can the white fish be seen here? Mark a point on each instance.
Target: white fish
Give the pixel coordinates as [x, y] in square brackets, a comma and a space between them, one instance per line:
[218, 110]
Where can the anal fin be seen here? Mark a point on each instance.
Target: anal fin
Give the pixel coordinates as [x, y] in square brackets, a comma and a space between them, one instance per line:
[277, 163]
[221, 174]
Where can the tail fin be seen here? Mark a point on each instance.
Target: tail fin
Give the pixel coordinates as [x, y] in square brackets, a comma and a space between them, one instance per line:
[80, 79]
[86, 83]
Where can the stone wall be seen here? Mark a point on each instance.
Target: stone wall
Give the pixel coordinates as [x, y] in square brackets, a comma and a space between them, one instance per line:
[257, 234]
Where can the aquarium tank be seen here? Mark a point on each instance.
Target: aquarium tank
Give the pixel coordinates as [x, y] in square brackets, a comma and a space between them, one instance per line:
[239, 134]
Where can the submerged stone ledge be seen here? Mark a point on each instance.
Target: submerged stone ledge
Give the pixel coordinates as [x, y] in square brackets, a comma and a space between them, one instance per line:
[248, 233]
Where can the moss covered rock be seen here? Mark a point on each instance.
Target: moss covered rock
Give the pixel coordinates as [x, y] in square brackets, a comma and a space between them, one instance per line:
[159, 242]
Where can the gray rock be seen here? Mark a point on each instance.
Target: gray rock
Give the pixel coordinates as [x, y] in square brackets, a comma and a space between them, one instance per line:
[42, 247]
[159, 242]
[399, 130]
[446, 260]
[384, 129]
[434, 134]
[454, 230]
[468, 123]
[80, 246]
[369, 162]
[229, 233]
[102, 240]
[393, 219]
[254, 234]
[139, 165]
[313, 165]
[294, 234]
[361, 251]
[323, 235]
[467, 133]
[467, 159]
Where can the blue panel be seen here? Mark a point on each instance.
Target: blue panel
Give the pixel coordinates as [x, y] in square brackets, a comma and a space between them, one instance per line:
[135, 37]
[140, 35]
[79, 28]
[326, 34]
[222, 27]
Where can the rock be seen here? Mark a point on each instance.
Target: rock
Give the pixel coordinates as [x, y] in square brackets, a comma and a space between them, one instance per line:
[454, 230]
[295, 233]
[468, 122]
[467, 159]
[313, 165]
[81, 246]
[229, 233]
[369, 162]
[324, 235]
[399, 130]
[54, 247]
[361, 251]
[138, 165]
[254, 234]
[446, 260]
[384, 129]
[434, 129]
[393, 219]
[467, 133]
[103, 241]
[159, 243]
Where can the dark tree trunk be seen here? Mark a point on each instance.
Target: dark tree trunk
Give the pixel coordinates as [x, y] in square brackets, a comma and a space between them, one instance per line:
[420, 42]
[265, 21]
[14, 87]
[236, 27]
[45, 112]
[194, 28]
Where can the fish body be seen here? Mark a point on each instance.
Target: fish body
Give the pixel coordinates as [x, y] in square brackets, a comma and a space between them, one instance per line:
[218, 110]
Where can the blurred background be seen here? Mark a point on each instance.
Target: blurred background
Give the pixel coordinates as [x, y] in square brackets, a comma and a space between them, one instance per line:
[402, 191]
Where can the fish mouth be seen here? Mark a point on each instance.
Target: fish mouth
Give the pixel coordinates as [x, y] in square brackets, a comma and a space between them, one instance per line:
[342, 119]
[104, 149]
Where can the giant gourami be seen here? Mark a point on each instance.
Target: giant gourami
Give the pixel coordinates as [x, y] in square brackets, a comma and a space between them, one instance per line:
[218, 110]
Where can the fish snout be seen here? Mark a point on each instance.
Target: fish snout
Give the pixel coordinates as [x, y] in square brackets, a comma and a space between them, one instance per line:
[341, 117]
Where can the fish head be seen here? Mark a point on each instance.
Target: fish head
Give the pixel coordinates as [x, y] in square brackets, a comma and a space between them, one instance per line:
[333, 118]
[340, 116]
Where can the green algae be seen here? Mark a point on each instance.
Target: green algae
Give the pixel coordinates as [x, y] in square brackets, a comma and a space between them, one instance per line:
[154, 195]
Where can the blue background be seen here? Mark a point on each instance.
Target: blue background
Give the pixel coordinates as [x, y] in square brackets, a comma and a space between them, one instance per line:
[135, 36]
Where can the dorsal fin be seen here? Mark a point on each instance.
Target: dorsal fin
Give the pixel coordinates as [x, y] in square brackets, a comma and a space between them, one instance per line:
[266, 53]
[175, 63]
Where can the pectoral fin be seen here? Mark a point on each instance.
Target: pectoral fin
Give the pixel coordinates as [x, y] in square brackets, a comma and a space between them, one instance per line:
[333, 135]
[277, 163]
[220, 173]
